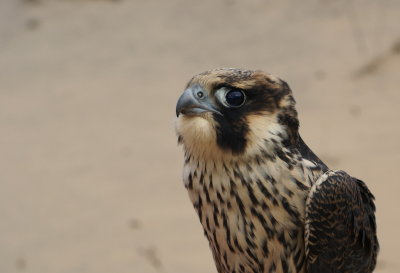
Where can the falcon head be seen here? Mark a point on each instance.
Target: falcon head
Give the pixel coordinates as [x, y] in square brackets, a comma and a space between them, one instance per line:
[234, 112]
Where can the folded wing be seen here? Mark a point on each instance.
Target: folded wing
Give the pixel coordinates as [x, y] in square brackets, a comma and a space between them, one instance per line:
[340, 225]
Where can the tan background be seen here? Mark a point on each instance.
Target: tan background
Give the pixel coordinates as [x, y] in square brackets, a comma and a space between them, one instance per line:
[90, 173]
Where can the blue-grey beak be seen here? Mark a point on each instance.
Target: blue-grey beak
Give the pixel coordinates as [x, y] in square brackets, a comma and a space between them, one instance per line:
[194, 101]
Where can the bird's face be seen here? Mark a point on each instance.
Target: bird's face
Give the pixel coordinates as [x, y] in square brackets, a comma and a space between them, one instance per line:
[232, 112]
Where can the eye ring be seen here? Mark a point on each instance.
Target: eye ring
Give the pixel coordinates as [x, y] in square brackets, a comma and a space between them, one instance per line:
[235, 98]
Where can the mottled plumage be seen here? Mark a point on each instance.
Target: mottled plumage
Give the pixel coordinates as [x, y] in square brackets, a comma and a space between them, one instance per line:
[265, 200]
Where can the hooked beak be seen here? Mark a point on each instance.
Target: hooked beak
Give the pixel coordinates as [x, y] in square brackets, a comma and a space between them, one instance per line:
[194, 101]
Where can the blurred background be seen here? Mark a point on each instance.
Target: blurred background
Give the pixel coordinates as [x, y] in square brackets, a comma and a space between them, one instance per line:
[90, 170]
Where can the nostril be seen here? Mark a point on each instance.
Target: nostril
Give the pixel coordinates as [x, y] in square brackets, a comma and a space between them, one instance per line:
[200, 94]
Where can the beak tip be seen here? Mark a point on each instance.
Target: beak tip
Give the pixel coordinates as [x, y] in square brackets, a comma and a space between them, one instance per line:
[184, 100]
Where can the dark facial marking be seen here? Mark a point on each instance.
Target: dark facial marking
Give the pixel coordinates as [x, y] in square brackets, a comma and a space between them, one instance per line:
[261, 97]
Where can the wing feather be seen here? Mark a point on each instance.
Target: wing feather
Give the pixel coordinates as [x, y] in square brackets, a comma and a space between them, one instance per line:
[340, 225]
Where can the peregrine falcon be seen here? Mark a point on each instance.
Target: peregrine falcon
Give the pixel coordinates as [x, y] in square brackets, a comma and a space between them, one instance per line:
[266, 202]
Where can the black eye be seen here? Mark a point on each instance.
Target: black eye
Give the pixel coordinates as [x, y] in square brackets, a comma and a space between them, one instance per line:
[235, 98]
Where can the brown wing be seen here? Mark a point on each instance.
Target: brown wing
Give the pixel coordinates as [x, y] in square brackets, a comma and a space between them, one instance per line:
[340, 225]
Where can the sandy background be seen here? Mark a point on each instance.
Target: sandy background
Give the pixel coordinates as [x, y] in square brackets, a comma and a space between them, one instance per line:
[90, 173]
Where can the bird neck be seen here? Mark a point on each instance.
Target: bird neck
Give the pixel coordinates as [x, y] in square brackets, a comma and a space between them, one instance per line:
[273, 162]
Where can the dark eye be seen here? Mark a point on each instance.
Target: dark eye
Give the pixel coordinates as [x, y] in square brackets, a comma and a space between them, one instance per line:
[235, 98]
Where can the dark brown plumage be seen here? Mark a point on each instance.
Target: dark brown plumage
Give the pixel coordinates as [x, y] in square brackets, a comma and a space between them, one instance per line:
[265, 200]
